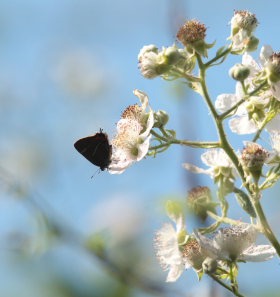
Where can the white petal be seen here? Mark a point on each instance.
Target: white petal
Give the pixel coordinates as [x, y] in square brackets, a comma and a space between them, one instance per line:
[248, 61]
[142, 97]
[118, 169]
[119, 162]
[143, 149]
[175, 272]
[215, 158]
[150, 124]
[196, 169]
[266, 52]
[239, 91]
[258, 253]
[242, 125]
[207, 245]
[226, 101]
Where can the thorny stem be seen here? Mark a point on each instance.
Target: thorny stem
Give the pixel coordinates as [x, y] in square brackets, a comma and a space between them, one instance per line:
[231, 154]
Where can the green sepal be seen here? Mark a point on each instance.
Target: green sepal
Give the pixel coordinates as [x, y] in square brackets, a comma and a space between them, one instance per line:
[220, 50]
[199, 274]
[171, 132]
[183, 237]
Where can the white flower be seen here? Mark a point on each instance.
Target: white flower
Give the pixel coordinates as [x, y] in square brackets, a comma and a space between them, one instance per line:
[235, 244]
[214, 158]
[270, 62]
[132, 141]
[243, 24]
[174, 257]
[168, 252]
[166, 62]
[149, 59]
[240, 124]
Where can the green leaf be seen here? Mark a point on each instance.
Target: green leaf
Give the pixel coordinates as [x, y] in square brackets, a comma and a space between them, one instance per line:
[220, 50]
[174, 211]
[245, 202]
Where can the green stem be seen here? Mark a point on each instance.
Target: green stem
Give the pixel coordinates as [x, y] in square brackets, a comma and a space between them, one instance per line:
[156, 147]
[196, 144]
[216, 279]
[252, 93]
[164, 132]
[231, 154]
[221, 55]
[265, 121]
[154, 133]
[234, 107]
[223, 219]
[265, 226]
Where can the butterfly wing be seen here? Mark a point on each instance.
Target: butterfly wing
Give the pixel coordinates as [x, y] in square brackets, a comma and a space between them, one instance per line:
[96, 149]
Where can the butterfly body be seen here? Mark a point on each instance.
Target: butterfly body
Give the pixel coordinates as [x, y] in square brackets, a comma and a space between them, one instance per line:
[96, 149]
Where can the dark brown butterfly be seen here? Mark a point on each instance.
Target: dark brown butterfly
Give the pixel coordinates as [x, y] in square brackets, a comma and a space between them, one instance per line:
[96, 148]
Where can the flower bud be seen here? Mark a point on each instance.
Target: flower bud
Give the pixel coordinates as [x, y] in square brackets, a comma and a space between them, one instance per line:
[199, 200]
[239, 72]
[151, 62]
[209, 265]
[251, 44]
[253, 157]
[172, 55]
[154, 62]
[161, 118]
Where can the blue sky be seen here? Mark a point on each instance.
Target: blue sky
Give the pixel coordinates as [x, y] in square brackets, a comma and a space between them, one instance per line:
[40, 115]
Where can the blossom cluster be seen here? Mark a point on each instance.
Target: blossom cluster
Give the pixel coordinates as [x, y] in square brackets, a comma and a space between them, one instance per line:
[254, 108]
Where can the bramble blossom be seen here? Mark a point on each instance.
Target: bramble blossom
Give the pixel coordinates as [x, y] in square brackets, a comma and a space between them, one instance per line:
[215, 159]
[235, 244]
[241, 123]
[243, 24]
[177, 257]
[132, 141]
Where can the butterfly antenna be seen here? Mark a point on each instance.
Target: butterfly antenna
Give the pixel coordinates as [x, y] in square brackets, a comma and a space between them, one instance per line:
[97, 171]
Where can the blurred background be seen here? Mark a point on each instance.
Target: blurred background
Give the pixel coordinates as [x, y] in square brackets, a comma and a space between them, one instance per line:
[68, 68]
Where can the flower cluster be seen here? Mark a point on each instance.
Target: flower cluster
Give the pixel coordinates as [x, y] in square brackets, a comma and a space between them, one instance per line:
[254, 108]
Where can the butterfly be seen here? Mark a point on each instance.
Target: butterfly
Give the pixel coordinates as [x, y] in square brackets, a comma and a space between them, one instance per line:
[96, 149]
